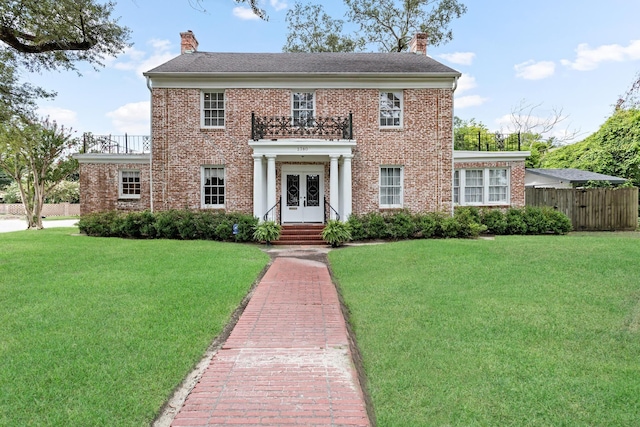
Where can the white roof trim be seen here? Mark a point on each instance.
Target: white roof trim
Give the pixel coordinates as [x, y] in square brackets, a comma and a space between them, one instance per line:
[460, 156]
[113, 158]
[302, 147]
[308, 81]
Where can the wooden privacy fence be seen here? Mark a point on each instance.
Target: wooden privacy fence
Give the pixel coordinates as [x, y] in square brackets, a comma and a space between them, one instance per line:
[590, 209]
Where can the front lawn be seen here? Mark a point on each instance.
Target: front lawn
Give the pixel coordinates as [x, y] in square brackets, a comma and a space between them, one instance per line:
[519, 331]
[100, 331]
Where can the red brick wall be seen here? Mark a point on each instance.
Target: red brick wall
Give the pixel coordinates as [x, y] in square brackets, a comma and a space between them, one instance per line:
[99, 187]
[423, 146]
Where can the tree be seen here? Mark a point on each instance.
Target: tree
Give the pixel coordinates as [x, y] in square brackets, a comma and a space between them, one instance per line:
[613, 150]
[525, 120]
[37, 155]
[631, 98]
[312, 30]
[253, 4]
[388, 23]
[392, 23]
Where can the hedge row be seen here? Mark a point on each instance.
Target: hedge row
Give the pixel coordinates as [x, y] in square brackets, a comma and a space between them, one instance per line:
[467, 222]
[172, 224]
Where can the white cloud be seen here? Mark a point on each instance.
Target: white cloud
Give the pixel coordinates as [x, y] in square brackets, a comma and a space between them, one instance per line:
[141, 61]
[531, 70]
[278, 5]
[588, 58]
[469, 101]
[466, 82]
[244, 13]
[62, 116]
[132, 118]
[461, 58]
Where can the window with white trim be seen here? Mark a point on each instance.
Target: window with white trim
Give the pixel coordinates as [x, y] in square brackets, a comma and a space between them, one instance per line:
[456, 187]
[212, 109]
[390, 109]
[213, 187]
[481, 186]
[302, 110]
[129, 184]
[391, 180]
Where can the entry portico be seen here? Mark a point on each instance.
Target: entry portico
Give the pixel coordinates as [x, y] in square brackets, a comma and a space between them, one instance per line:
[302, 178]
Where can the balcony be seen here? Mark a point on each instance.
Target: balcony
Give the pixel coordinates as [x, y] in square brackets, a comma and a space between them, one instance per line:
[116, 144]
[485, 141]
[313, 127]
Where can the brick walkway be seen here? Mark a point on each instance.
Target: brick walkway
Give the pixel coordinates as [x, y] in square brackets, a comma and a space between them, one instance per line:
[287, 361]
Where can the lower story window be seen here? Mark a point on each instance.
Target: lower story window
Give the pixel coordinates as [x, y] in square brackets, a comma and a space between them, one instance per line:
[391, 186]
[213, 187]
[129, 184]
[487, 186]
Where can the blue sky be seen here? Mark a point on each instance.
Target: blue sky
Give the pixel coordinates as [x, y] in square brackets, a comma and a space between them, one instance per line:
[573, 56]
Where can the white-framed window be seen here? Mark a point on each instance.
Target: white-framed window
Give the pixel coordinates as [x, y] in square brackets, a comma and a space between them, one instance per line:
[302, 108]
[212, 109]
[391, 186]
[481, 186]
[456, 187]
[213, 187]
[129, 184]
[390, 109]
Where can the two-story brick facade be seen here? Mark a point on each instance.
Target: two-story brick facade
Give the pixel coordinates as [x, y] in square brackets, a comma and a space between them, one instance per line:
[301, 136]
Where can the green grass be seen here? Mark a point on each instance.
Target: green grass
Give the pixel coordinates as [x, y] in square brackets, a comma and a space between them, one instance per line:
[100, 331]
[519, 331]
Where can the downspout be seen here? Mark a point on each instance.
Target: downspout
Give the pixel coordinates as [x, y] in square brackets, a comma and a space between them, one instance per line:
[150, 144]
[453, 162]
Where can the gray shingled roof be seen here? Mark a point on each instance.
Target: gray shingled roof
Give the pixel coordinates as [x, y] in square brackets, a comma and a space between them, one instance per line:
[576, 176]
[313, 63]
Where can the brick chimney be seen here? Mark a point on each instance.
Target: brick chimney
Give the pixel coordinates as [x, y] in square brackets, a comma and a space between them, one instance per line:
[418, 44]
[188, 44]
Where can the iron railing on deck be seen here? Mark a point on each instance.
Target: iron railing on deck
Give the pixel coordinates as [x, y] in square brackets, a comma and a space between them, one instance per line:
[116, 144]
[289, 127]
[486, 141]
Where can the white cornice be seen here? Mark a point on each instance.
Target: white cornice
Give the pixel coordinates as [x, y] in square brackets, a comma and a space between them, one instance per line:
[113, 158]
[302, 147]
[303, 81]
[460, 156]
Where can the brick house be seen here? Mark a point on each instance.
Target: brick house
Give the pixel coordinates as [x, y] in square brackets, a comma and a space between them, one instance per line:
[300, 138]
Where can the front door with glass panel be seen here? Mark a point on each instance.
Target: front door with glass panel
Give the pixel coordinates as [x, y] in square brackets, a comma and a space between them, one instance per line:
[303, 196]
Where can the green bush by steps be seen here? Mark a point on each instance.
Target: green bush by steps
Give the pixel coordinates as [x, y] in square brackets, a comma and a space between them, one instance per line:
[171, 224]
[467, 222]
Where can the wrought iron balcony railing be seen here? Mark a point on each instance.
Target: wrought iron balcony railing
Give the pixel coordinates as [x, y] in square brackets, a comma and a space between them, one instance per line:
[288, 127]
[485, 141]
[116, 144]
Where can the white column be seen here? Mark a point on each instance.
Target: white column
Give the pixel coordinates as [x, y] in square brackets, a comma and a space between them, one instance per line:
[271, 185]
[347, 194]
[258, 193]
[334, 198]
[341, 186]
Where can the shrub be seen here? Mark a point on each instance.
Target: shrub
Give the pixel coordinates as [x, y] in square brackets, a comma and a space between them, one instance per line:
[137, 225]
[515, 222]
[426, 224]
[494, 220]
[558, 223]
[375, 227]
[167, 224]
[536, 220]
[400, 225]
[336, 232]
[356, 227]
[101, 224]
[267, 231]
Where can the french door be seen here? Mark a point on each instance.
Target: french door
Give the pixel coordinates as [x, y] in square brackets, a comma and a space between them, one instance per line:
[303, 195]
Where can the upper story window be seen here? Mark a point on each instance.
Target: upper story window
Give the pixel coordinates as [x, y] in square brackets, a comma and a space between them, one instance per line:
[129, 184]
[212, 109]
[303, 108]
[213, 187]
[481, 186]
[390, 109]
[391, 178]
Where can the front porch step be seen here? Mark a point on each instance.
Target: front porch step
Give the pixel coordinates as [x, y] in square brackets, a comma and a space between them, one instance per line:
[301, 234]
